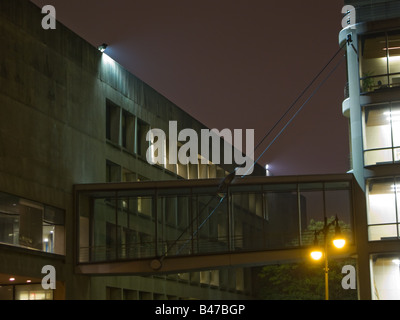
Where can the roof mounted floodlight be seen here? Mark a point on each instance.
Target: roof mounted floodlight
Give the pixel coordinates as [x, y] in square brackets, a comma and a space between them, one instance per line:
[102, 47]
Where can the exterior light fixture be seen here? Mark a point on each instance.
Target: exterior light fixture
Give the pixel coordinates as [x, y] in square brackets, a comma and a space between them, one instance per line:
[102, 47]
[316, 252]
[338, 241]
[267, 172]
[11, 279]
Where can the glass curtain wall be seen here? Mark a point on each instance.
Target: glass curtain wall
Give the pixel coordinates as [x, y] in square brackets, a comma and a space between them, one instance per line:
[383, 208]
[381, 133]
[134, 224]
[379, 61]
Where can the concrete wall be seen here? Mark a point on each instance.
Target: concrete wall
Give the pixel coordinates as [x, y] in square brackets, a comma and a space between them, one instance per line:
[53, 91]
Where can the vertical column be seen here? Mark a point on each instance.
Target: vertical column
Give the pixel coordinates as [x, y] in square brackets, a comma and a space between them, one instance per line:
[355, 107]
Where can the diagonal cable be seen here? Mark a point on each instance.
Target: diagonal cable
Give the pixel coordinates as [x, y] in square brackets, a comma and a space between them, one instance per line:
[228, 179]
[299, 97]
[297, 112]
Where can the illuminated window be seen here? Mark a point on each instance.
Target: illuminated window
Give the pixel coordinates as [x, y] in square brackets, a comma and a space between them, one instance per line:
[383, 208]
[385, 275]
[379, 61]
[32, 292]
[381, 133]
[31, 225]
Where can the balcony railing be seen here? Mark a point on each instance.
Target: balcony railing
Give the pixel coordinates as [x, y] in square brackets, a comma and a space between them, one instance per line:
[379, 82]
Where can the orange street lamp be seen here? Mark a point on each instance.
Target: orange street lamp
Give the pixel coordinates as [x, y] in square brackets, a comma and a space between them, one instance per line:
[317, 253]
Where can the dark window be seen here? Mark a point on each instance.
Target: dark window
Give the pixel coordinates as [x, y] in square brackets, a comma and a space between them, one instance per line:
[113, 172]
[128, 131]
[142, 143]
[112, 122]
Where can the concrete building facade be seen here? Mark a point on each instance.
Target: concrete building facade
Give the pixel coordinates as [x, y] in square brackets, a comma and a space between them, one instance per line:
[69, 114]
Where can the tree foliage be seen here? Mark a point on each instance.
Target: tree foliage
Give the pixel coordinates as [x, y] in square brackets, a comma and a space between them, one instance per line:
[306, 280]
[303, 281]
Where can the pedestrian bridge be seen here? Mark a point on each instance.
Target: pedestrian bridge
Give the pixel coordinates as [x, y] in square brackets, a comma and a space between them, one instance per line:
[186, 225]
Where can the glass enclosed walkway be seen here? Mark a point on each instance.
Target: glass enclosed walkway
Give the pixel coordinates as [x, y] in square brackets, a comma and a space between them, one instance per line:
[147, 226]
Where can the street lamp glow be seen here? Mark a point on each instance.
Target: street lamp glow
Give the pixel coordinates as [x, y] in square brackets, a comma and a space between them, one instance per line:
[316, 255]
[339, 243]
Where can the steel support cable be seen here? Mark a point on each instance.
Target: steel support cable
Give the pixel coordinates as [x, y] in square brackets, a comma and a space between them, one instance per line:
[299, 97]
[226, 181]
[221, 194]
[202, 224]
[160, 259]
[291, 119]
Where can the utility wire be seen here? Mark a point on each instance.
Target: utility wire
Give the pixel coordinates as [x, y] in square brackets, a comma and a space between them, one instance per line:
[202, 224]
[228, 179]
[290, 120]
[192, 222]
[297, 112]
[299, 97]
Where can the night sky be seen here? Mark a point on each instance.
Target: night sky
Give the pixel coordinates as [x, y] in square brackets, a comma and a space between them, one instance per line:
[232, 64]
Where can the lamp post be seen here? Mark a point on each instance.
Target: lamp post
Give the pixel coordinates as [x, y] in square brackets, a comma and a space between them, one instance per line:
[338, 241]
